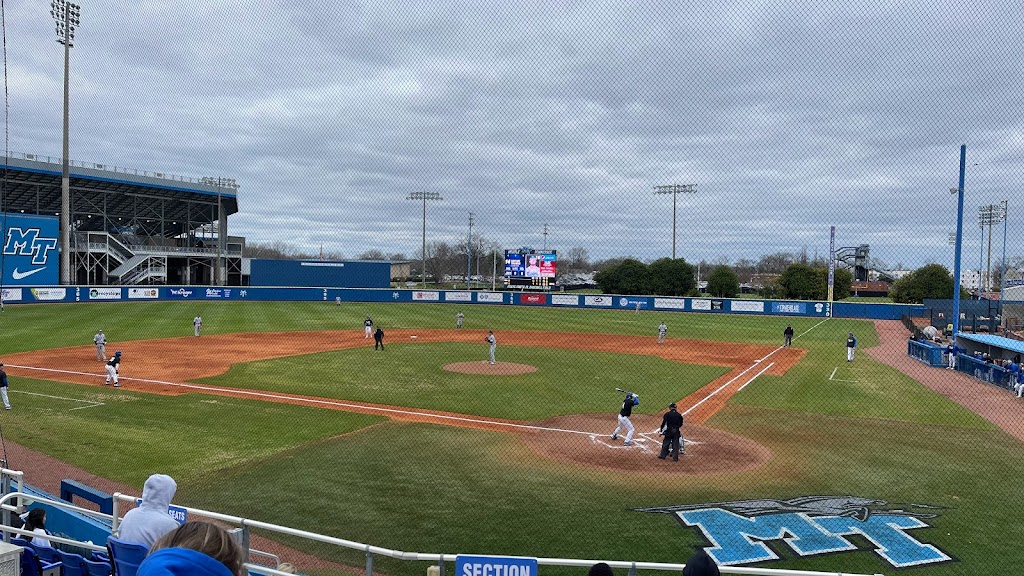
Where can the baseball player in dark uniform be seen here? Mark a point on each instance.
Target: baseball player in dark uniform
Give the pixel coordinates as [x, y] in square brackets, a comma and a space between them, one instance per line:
[671, 426]
[367, 327]
[788, 333]
[624, 422]
[378, 338]
[851, 345]
[113, 367]
[3, 387]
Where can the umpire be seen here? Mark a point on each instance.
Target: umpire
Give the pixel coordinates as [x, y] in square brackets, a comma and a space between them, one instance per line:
[671, 423]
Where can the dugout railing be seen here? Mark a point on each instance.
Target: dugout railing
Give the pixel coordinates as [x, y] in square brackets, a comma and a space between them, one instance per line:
[440, 560]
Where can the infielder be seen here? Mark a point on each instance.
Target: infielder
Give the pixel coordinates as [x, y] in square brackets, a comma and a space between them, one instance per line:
[662, 329]
[624, 422]
[671, 429]
[3, 387]
[851, 345]
[458, 320]
[197, 324]
[113, 367]
[100, 340]
[490, 339]
[367, 327]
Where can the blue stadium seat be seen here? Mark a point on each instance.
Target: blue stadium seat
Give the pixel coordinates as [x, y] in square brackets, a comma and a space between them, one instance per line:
[98, 567]
[98, 556]
[126, 556]
[24, 543]
[32, 565]
[74, 564]
[47, 554]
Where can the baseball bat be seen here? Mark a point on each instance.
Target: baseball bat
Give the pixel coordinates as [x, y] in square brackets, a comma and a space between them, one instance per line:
[621, 390]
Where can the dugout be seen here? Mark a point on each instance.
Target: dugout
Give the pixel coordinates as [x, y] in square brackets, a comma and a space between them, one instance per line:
[1000, 348]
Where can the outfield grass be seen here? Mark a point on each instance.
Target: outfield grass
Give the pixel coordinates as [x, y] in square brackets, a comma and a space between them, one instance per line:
[868, 431]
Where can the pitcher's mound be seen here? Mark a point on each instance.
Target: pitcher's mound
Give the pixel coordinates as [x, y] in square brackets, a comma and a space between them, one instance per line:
[485, 367]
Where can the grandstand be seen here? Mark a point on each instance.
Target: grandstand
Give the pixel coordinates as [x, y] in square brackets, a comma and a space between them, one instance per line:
[131, 226]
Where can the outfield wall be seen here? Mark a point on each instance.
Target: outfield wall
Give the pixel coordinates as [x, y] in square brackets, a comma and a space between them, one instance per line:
[54, 294]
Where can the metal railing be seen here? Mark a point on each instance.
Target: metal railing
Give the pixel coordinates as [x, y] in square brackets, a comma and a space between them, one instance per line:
[369, 550]
[228, 186]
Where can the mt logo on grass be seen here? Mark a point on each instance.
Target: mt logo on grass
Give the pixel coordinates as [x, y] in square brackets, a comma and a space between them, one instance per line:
[809, 525]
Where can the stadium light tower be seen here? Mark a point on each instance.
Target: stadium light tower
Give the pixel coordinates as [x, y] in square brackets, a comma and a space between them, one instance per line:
[987, 216]
[675, 190]
[424, 196]
[66, 15]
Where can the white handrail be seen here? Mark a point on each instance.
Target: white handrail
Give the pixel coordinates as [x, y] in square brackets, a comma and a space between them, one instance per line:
[377, 550]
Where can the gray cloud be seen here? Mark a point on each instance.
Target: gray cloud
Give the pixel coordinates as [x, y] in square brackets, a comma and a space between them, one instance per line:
[790, 117]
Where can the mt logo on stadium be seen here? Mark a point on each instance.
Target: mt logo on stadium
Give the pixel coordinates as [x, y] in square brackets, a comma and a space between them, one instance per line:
[810, 526]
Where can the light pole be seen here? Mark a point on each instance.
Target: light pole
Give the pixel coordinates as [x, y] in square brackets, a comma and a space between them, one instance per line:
[424, 196]
[675, 190]
[66, 15]
[989, 215]
[1002, 276]
[469, 252]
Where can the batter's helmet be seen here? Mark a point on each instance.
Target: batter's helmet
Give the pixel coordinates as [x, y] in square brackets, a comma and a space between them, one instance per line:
[118, 353]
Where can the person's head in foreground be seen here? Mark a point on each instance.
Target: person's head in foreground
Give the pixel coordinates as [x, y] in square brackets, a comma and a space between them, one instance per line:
[194, 548]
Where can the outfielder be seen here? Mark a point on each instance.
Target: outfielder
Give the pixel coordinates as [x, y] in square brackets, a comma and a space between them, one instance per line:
[197, 324]
[367, 327]
[100, 340]
[458, 320]
[113, 367]
[490, 339]
[662, 329]
[624, 423]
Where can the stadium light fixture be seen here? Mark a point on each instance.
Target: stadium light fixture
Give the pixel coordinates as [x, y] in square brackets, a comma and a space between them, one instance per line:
[67, 15]
[987, 216]
[424, 196]
[675, 190]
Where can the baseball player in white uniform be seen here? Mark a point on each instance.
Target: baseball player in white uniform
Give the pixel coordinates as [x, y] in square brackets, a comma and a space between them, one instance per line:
[113, 367]
[662, 329]
[624, 422]
[490, 339]
[197, 323]
[458, 320]
[100, 340]
[367, 327]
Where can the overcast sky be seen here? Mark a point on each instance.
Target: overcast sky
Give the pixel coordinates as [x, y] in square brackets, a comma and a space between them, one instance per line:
[789, 117]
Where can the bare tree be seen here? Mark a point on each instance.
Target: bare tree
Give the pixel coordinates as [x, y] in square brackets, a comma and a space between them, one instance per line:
[579, 259]
[372, 254]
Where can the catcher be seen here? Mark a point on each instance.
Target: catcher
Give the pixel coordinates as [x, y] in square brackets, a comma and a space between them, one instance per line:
[671, 426]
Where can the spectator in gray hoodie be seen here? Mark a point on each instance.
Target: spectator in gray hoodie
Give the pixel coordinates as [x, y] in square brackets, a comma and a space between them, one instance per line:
[149, 521]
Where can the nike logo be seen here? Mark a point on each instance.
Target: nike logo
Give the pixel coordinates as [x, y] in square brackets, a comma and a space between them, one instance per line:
[19, 275]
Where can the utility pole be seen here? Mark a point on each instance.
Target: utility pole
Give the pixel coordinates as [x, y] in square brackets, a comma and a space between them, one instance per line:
[545, 236]
[675, 190]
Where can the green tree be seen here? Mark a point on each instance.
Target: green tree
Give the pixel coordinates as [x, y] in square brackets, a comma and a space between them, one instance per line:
[723, 282]
[670, 277]
[629, 277]
[799, 282]
[931, 281]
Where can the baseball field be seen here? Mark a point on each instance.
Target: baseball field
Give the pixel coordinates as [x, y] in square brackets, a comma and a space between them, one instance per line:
[284, 412]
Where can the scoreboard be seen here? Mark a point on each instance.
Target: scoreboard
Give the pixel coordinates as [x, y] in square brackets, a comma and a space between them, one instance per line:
[530, 267]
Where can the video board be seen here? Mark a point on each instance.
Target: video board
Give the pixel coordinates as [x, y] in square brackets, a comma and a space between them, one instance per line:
[527, 266]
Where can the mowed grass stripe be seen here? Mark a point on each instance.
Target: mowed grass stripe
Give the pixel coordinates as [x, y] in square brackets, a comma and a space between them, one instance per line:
[412, 375]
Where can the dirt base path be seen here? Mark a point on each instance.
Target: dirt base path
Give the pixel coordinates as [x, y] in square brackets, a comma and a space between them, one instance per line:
[167, 366]
[992, 403]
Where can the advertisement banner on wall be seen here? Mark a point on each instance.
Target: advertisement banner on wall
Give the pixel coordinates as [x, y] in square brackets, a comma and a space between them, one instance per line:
[747, 306]
[700, 304]
[49, 294]
[143, 293]
[534, 299]
[718, 304]
[597, 300]
[10, 295]
[182, 294]
[104, 293]
[670, 303]
[218, 293]
[490, 297]
[634, 303]
[458, 296]
[789, 308]
[428, 296]
[565, 300]
[30, 254]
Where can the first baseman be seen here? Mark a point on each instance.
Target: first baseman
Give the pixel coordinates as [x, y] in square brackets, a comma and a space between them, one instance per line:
[367, 327]
[100, 340]
[113, 367]
[3, 387]
[851, 345]
[197, 324]
[624, 414]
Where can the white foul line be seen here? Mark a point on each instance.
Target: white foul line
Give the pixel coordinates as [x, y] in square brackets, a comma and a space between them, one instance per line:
[314, 401]
[91, 403]
[834, 373]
